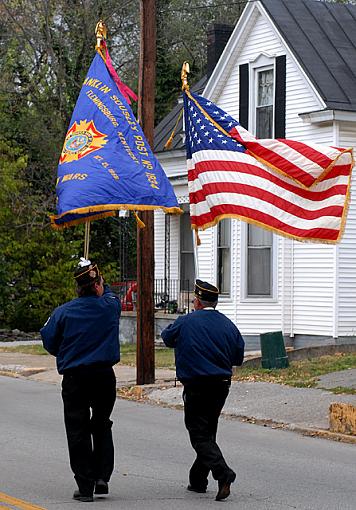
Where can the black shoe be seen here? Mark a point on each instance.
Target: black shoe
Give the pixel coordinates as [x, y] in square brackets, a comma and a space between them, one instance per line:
[85, 498]
[224, 488]
[200, 490]
[101, 487]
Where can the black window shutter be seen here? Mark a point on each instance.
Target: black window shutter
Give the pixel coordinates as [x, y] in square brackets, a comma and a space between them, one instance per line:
[244, 86]
[280, 98]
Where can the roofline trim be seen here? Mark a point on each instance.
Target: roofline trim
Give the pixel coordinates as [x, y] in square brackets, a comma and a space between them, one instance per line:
[171, 154]
[217, 79]
[320, 116]
[293, 56]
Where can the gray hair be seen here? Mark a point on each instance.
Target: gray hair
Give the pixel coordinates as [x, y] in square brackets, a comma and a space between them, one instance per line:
[205, 304]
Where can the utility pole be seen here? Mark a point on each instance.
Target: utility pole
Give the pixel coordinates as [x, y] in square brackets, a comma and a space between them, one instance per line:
[145, 359]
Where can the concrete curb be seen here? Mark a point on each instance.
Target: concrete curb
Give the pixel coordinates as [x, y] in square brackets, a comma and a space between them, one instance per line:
[305, 431]
[141, 393]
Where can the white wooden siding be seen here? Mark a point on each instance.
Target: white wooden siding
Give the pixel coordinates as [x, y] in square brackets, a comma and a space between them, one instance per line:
[205, 255]
[173, 163]
[159, 248]
[313, 289]
[347, 251]
[159, 244]
[286, 285]
[175, 247]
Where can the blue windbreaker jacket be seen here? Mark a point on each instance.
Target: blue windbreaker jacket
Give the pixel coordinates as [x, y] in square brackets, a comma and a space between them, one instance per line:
[84, 331]
[206, 343]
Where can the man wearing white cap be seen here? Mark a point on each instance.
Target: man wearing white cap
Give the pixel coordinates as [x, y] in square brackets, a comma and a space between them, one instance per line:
[83, 334]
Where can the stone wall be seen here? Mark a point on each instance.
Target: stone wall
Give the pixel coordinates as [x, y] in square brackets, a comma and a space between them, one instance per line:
[128, 330]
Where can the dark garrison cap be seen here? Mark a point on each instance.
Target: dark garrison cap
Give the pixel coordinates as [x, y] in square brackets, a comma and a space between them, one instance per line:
[87, 275]
[205, 291]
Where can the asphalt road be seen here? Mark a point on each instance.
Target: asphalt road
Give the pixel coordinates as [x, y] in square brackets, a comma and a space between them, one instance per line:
[276, 469]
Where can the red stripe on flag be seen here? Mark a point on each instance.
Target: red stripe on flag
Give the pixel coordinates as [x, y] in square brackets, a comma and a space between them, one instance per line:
[309, 152]
[272, 157]
[277, 161]
[247, 213]
[255, 171]
[280, 203]
[337, 170]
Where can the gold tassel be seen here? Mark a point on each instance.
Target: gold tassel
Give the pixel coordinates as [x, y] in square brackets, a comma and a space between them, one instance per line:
[139, 222]
[168, 143]
[197, 238]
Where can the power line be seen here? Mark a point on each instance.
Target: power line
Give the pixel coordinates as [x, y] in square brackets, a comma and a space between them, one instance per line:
[213, 6]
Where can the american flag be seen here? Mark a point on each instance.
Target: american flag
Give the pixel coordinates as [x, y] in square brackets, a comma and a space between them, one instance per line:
[295, 189]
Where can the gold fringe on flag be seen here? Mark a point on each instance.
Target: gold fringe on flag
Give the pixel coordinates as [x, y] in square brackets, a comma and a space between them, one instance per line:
[197, 238]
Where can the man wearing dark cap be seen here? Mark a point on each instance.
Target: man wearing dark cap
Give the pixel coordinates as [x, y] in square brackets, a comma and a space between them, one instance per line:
[207, 345]
[83, 334]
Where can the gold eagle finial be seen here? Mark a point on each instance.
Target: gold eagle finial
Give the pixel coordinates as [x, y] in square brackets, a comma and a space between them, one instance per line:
[184, 75]
[100, 32]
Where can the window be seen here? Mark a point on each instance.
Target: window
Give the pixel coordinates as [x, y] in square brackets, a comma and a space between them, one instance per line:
[259, 242]
[187, 272]
[264, 103]
[224, 256]
[259, 262]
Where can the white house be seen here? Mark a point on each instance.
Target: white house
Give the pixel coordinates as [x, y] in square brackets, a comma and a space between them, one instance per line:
[287, 71]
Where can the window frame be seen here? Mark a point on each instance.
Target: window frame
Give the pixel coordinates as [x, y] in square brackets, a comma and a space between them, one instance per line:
[244, 266]
[257, 106]
[261, 63]
[185, 208]
[225, 295]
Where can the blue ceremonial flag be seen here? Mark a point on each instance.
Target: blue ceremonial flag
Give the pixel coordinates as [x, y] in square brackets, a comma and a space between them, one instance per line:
[106, 163]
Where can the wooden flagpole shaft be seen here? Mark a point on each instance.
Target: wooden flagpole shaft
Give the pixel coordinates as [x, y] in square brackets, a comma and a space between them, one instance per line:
[145, 373]
[87, 239]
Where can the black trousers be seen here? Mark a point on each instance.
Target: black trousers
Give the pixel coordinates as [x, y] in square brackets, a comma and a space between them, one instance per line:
[89, 394]
[203, 402]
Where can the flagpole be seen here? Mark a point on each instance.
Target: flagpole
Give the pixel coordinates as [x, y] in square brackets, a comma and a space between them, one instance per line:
[145, 368]
[196, 241]
[100, 33]
[87, 239]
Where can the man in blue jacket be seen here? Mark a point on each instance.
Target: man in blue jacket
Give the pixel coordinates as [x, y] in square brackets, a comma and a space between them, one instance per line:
[207, 345]
[83, 334]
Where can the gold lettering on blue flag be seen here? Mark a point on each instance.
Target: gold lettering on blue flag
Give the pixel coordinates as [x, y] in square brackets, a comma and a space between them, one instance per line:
[106, 163]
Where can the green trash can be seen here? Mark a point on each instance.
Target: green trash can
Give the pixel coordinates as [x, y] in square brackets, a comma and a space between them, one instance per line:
[273, 350]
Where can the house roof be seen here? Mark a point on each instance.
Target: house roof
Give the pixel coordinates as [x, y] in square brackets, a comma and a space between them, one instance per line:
[164, 129]
[322, 36]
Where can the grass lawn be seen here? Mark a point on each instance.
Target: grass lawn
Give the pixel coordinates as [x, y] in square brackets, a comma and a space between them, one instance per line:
[24, 349]
[302, 374]
[164, 357]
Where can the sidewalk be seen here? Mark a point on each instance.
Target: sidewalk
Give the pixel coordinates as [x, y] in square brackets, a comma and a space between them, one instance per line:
[304, 410]
[43, 368]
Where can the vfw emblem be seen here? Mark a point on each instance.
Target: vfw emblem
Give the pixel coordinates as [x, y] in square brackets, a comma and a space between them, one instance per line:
[81, 140]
